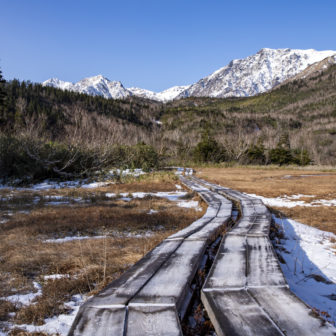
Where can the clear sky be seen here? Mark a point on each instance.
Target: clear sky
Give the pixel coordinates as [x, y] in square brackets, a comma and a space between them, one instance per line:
[153, 44]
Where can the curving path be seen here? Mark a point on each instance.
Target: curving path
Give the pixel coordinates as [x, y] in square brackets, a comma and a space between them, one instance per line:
[152, 296]
[245, 292]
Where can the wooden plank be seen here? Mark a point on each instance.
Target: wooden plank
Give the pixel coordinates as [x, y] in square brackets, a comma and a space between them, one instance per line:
[235, 313]
[192, 228]
[146, 320]
[124, 288]
[211, 230]
[171, 284]
[229, 267]
[265, 306]
[99, 321]
[210, 214]
[289, 313]
[261, 225]
[263, 268]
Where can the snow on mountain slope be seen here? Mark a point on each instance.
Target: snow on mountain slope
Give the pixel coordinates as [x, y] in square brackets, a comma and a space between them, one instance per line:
[101, 86]
[163, 96]
[143, 93]
[171, 93]
[240, 78]
[56, 83]
[95, 86]
[255, 74]
[314, 69]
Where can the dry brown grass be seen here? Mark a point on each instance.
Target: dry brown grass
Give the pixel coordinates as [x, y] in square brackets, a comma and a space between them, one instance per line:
[90, 264]
[274, 182]
[22, 332]
[92, 219]
[323, 218]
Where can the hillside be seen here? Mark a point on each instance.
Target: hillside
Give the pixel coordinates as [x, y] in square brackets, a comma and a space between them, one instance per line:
[303, 110]
[48, 132]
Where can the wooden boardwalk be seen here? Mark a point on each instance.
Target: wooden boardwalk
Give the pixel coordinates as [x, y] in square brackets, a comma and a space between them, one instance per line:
[245, 292]
[152, 296]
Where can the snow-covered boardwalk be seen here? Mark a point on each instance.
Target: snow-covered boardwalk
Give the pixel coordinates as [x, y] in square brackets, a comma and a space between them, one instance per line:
[245, 292]
[152, 296]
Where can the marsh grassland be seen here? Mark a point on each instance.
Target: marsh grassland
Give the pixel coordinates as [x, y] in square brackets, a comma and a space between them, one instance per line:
[75, 241]
[310, 184]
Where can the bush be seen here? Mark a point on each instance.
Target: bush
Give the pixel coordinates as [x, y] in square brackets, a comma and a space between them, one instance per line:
[208, 150]
[31, 159]
[256, 154]
[280, 155]
[301, 157]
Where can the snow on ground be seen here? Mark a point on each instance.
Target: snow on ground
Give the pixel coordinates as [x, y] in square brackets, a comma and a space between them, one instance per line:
[55, 276]
[146, 234]
[58, 324]
[47, 184]
[310, 264]
[25, 299]
[117, 234]
[132, 172]
[293, 201]
[95, 185]
[169, 195]
[71, 238]
[174, 196]
[189, 204]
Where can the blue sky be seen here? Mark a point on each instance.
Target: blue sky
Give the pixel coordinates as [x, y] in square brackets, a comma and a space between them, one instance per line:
[153, 44]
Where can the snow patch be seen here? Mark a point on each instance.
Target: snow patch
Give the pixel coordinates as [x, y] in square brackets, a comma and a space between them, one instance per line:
[293, 201]
[71, 238]
[55, 276]
[25, 299]
[60, 324]
[190, 205]
[310, 264]
[95, 185]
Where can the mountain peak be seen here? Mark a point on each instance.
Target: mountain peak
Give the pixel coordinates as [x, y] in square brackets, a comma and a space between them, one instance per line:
[101, 86]
[240, 78]
[256, 73]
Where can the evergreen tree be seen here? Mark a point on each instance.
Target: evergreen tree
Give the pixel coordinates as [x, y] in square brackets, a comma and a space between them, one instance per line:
[208, 150]
[2, 91]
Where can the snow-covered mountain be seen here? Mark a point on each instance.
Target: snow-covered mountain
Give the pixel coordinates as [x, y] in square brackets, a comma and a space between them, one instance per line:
[255, 74]
[171, 93]
[163, 96]
[240, 78]
[314, 70]
[95, 86]
[101, 86]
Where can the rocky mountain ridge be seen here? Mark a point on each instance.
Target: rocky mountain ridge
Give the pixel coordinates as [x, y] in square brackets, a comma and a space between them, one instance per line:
[245, 77]
[101, 86]
[255, 74]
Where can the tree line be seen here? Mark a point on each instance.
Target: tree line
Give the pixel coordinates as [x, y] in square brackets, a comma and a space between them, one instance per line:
[47, 132]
